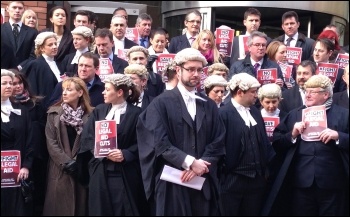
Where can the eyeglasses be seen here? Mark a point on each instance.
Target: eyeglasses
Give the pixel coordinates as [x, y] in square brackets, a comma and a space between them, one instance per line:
[193, 70]
[194, 21]
[258, 45]
[311, 92]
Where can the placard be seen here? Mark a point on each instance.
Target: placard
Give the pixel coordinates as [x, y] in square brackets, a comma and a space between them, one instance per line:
[105, 69]
[105, 137]
[286, 71]
[10, 167]
[204, 75]
[162, 61]
[224, 41]
[342, 60]
[243, 45]
[122, 54]
[267, 76]
[316, 121]
[294, 55]
[328, 69]
[132, 34]
[270, 125]
[2, 15]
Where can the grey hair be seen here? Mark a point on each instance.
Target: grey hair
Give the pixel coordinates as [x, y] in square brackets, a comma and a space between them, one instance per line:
[217, 67]
[5, 72]
[142, 17]
[255, 34]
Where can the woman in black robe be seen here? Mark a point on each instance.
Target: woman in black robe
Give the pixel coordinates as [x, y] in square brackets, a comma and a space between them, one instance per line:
[115, 183]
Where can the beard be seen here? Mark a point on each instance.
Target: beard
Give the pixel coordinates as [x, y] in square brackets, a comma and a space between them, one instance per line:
[190, 83]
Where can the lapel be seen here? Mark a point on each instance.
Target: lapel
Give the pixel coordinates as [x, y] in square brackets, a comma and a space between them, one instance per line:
[64, 41]
[22, 35]
[235, 115]
[8, 28]
[115, 63]
[185, 42]
[180, 101]
[200, 113]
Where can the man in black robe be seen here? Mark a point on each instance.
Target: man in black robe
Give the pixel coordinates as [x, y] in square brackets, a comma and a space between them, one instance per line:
[184, 131]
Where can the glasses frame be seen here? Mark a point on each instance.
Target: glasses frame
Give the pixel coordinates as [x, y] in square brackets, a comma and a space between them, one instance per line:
[192, 70]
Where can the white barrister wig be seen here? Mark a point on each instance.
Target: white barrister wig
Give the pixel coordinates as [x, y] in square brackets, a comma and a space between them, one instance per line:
[215, 80]
[119, 79]
[84, 31]
[5, 72]
[271, 91]
[189, 54]
[137, 69]
[137, 48]
[243, 81]
[319, 80]
[41, 37]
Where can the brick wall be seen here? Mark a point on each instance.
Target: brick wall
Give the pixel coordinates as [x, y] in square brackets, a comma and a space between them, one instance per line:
[40, 7]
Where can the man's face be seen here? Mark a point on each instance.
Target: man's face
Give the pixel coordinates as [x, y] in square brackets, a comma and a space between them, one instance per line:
[290, 26]
[80, 42]
[15, 10]
[190, 73]
[258, 48]
[193, 24]
[315, 96]
[303, 74]
[81, 20]
[320, 53]
[249, 97]
[252, 23]
[104, 46]
[86, 69]
[118, 27]
[144, 28]
[138, 57]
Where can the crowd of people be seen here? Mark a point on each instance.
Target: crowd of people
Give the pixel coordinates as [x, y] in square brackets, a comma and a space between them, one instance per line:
[54, 91]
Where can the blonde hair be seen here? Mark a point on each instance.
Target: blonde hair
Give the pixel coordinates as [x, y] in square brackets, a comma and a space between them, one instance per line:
[195, 44]
[26, 13]
[137, 49]
[272, 49]
[137, 69]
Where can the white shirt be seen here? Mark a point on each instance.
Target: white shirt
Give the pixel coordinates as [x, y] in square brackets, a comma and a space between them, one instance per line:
[78, 53]
[260, 62]
[302, 94]
[140, 99]
[244, 113]
[116, 111]
[118, 44]
[265, 113]
[19, 25]
[292, 42]
[188, 36]
[53, 66]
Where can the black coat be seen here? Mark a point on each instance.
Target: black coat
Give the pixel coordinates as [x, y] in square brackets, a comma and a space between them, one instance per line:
[291, 99]
[341, 99]
[93, 170]
[25, 49]
[178, 43]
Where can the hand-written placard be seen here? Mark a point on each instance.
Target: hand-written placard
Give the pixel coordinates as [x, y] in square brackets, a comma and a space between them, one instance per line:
[266, 76]
[316, 121]
[243, 45]
[224, 40]
[328, 69]
[163, 60]
[294, 55]
[122, 54]
[204, 75]
[10, 167]
[105, 69]
[105, 137]
[270, 125]
[132, 34]
[286, 71]
[342, 60]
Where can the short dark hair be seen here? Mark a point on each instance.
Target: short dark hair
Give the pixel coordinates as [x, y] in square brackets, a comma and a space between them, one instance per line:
[92, 56]
[158, 30]
[83, 13]
[310, 63]
[120, 9]
[251, 11]
[290, 14]
[55, 8]
[104, 32]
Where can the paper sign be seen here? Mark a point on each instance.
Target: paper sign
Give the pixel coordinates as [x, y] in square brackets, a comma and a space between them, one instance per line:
[316, 121]
[270, 125]
[266, 76]
[294, 55]
[328, 69]
[204, 75]
[105, 137]
[162, 61]
[122, 54]
[243, 45]
[286, 71]
[342, 60]
[10, 167]
[2, 15]
[132, 34]
[224, 40]
[105, 69]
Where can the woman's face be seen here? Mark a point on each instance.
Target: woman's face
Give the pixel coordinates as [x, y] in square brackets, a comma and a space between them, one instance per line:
[80, 42]
[6, 87]
[158, 43]
[49, 47]
[205, 43]
[70, 94]
[281, 54]
[31, 19]
[110, 95]
[216, 94]
[270, 104]
[17, 86]
[58, 18]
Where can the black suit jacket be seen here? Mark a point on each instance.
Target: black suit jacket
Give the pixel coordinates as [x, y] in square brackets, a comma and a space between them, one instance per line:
[178, 43]
[25, 49]
[129, 44]
[146, 100]
[66, 67]
[8, 58]
[66, 45]
[291, 99]
[341, 99]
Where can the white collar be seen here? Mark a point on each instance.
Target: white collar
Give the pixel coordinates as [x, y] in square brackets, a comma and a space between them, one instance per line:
[260, 62]
[80, 52]
[265, 113]
[116, 111]
[238, 106]
[12, 22]
[152, 52]
[47, 58]
[115, 38]
[188, 35]
[295, 37]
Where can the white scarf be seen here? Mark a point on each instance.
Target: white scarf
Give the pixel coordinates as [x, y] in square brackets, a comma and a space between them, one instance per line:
[6, 109]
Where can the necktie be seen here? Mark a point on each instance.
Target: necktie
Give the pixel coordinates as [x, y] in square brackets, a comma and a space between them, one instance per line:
[15, 32]
[288, 41]
[192, 40]
[88, 85]
[191, 103]
[250, 121]
[256, 67]
[143, 42]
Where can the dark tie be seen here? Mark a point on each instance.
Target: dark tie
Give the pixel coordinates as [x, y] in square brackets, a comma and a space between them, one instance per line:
[256, 67]
[15, 31]
[88, 85]
[288, 41]
[143, 42]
